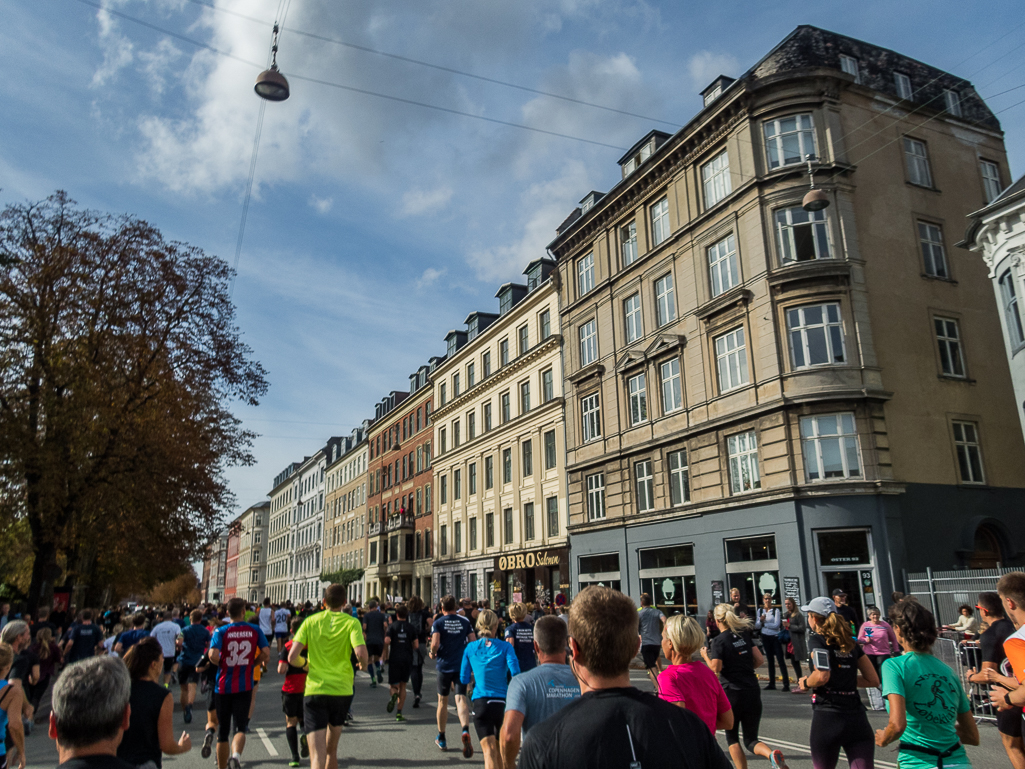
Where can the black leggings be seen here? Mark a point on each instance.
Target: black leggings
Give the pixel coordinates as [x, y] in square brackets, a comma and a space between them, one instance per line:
[773, 652]
[747, 715]
[832, 730]
[877, 661]
[416, 678]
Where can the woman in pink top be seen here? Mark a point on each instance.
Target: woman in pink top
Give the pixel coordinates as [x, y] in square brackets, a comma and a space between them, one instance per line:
[691, 685]
[877, 639]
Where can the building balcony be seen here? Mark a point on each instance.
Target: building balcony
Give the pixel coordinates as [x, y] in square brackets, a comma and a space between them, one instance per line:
[401, 521]
[375, 529]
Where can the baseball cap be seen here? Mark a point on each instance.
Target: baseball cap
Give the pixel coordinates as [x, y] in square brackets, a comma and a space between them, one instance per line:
[839, 591]
[820, 605]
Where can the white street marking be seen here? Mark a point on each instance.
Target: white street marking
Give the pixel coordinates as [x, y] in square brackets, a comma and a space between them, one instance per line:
[267, 743]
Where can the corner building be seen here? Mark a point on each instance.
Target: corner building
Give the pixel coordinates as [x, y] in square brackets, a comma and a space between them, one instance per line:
[499, 431]
[780, 400]
[283, 496]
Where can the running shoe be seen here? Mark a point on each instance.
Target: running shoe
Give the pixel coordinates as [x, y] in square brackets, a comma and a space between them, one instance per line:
[392, 701]
[304, 746]
[208, 743]
[293, 763]
[349, 718]
[234, 763]
[416, 701]
[373, 682]
[187, 714]
[776, 757]
[440, 742]
[380, 676]
[400, 717]
[468, 746]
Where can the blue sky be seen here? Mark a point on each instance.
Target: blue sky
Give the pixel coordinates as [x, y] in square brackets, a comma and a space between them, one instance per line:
[376, 226]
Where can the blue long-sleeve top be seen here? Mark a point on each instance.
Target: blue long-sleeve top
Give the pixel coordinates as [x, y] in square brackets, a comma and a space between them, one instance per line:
[487, 660]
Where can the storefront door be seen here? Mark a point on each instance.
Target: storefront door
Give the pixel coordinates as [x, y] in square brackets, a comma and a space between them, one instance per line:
[845, 558]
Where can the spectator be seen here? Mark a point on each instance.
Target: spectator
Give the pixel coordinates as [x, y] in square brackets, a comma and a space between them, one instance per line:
[966, 621]
[613, 723]
[91, 713]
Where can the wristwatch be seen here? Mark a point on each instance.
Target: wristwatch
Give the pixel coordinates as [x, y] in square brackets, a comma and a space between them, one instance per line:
[1007, 699]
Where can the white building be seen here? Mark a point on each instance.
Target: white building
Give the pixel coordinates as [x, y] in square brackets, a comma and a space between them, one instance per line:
[997, 232]
[283, 504]
[307, 530]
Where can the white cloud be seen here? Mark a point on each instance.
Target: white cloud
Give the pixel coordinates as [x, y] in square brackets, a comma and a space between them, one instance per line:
[322, 205]
[156, 63]
[419, 202]
[118, 51]
[429, 277]
[705, 66]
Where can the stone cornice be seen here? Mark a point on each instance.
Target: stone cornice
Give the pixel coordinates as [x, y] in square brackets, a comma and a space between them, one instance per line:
[500, 376]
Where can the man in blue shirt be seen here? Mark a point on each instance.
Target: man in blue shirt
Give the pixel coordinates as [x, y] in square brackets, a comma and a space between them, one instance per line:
[449, 636]
[84, 641]
[536, 694]
[194, 640]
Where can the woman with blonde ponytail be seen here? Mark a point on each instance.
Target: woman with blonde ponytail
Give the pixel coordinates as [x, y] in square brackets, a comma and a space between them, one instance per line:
[733, 656]
[839, 668]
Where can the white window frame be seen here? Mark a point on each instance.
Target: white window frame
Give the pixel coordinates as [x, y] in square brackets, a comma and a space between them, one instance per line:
[672, 390]
[838, 432]
[731, 359]
[633, 322]
[665, 300]
[934, 255]
[991, 185]
[903, 84]
[788, 220]
[679, 477]
[660, 221]
[800, 329]
[850, 65]
[585, 274]
[595, 496]
[638, 392]
[775, 139]
[742, 450]
[967, 448]
[952, 102]
[723, 267]
[715, 176]
[948, 337]
[590, 417]
[916, 160]
[588, 342]
[628, 243]
[1012, 313]
[644, 486]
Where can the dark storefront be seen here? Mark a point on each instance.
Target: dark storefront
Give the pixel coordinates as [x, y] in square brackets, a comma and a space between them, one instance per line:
[532, 576]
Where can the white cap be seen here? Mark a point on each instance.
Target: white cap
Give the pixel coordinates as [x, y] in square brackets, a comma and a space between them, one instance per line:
[820, 605]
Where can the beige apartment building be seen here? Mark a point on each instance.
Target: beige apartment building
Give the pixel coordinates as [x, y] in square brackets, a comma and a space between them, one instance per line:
[252, 563]
[345, 511]
[283, 500]
[500, 525]
[783, 400]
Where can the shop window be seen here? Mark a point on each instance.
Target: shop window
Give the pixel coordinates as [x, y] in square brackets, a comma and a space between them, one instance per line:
[667, 575]
[751, 567]
[599, 570]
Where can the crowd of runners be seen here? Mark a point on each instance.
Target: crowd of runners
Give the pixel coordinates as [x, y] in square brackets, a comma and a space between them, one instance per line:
[541, 689]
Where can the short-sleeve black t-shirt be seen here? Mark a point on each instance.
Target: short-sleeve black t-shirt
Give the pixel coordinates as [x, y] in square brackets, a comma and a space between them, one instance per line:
[738, 668]
[375, 621]
[841, 691]
[992, 643]
[402, 636]
[598, 729]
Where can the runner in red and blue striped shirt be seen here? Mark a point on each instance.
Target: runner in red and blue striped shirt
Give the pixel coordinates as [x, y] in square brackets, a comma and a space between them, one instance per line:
[236, 649]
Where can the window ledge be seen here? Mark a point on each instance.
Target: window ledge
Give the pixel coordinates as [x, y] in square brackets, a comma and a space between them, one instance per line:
[735, 296]
[939, 278]
[962, 379]
[793, 272]
[590, 370]
[922, 187]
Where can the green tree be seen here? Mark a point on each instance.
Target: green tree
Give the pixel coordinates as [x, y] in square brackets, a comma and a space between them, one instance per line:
[344, 577]
[119, 359]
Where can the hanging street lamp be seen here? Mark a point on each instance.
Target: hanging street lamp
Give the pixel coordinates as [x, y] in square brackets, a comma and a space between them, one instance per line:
[815, 199]
[271, 84]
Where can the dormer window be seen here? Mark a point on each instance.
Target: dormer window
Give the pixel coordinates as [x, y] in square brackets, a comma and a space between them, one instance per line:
[850, 65]
[714, 94]
[534, 278]
[641, 151]
[451, 345]
[639, 157]
[471, 329]
[589, 200]
[505, 303]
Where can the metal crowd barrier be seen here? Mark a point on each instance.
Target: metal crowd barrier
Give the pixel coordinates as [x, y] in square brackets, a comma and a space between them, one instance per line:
[961, 656]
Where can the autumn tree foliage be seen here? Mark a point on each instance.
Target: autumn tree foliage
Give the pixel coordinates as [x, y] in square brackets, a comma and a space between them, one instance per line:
[183, 589]
[119, 360]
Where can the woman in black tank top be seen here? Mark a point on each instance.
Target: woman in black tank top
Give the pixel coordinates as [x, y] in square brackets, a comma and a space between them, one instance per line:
[150, 731]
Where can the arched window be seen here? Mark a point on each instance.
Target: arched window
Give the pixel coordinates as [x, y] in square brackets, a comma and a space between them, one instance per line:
[987, 553]
[1012, 316]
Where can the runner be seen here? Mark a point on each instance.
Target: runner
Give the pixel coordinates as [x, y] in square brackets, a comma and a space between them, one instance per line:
[769, 621]
[487, 660]
[539, 693]
[195, 638]
[11, 703]
[996, 669]
[734, 657]
[166, 632]
[838, 668]
[1011, 588]
[236, 649]
[374, 623]
[929, 712]
[449, 636]
[692, 685]
[84, 640]
[651, 621]
[133, 636]
[400, 646]
[281, 620]
[292, 700]
[418, 619]
[266, 619]
[521, 635]
[331, 637]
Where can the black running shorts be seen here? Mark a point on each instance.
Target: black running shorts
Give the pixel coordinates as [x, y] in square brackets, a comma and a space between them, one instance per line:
[323, 710]
[232, 707]
[375, 650]
[292, 704]
[445, 682]
[398, 672]
[487, 717]
[168, 664]
[1010, 722]
[187, 674]
[650, 654]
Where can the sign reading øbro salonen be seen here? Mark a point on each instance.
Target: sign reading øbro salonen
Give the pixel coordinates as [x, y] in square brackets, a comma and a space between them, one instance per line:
[527, 560]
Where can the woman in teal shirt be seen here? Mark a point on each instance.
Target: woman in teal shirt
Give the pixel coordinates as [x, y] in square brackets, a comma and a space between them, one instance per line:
[929, 712]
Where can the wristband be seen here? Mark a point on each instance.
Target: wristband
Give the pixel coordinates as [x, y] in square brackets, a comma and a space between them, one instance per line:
[1007, 699]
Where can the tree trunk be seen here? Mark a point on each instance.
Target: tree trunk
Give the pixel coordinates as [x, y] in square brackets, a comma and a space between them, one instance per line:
[45, 572]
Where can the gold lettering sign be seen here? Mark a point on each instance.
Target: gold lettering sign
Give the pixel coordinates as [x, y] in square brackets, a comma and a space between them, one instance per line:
[520, 561]
[501, 563]
[530, 560]
[527, 561]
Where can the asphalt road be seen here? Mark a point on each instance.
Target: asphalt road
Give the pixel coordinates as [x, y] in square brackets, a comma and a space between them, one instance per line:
[376, 740]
